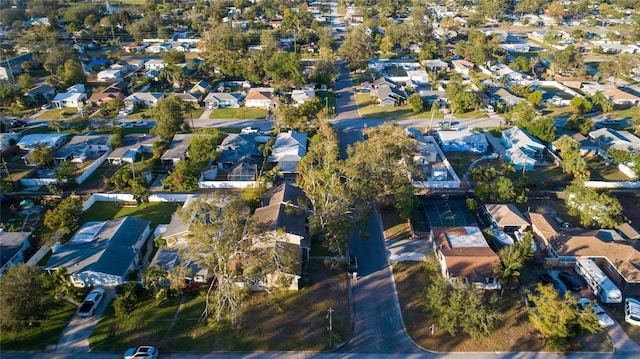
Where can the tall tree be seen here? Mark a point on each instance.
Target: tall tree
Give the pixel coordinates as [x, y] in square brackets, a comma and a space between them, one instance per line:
[65, 216]
[217, 241]
[357, 48]
[22, 297]
[558, 319]
[170, 118]
[593, 208]
[285, 70]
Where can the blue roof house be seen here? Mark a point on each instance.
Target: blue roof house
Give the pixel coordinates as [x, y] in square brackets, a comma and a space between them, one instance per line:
[522, 149]
[102, 253]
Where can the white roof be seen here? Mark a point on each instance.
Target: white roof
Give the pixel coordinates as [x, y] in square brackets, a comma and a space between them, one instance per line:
[47, 139]
[520, 138]
[465, 136]
[69, 96]
[473, 238]
[302, 95]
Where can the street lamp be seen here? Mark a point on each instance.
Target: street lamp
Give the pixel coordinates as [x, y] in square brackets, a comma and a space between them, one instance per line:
[330, 317]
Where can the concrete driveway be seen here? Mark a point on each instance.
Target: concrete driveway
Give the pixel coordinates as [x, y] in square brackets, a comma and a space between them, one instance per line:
[75, 337]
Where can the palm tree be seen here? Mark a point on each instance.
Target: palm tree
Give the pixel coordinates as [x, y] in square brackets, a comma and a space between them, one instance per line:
[507, 170]
[509, 272]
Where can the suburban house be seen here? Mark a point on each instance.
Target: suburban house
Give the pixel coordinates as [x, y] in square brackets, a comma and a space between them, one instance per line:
[134, 47]
[435, 65]
[506, 97]
[192, 98]
[84, 147]
[383, 82]
[465, 141]
[620, 97]
[110, 75]
[103, 97]
[618, 257]
[13, 246]
[300, 96]
[464, 255]
[285, 228]
[132, 145]
[128, 65]
[522, 148]
[51, 140]
[177, 151]
[102, 253]
[506, 217]
[201, 87]
[288, 150]
[11, 68]
[45, 92]
[259, 97]
[215, 100]
[159, 48]
[168, 257]
[74, 97]
[462, 66]
[391, 96]
[607, 138]
[146, 99]
[154, 64]
[238, 159]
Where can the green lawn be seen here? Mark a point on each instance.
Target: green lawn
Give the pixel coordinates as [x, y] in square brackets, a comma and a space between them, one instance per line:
[242, 113]
[368, 108]
[56, 113]
[547, 176]
[39, 337]
[601, 172]
[394, 227]
[327, 98]
[156, 212]
[471, 114]
[277, 321]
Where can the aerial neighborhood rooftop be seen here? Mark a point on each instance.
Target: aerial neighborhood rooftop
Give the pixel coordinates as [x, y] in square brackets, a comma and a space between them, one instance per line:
[285, 176]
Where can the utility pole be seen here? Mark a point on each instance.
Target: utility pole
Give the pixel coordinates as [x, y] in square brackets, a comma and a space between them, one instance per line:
[330, 316]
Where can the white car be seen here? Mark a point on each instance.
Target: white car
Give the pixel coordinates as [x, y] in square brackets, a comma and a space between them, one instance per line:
[604, 319]
[139, 124]
[144, 351]
[632, 311]
[91, 303]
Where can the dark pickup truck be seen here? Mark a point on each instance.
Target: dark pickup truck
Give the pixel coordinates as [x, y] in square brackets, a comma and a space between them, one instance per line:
[91, 303]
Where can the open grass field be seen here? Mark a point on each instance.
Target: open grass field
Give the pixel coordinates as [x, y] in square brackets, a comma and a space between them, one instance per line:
[547, 176]
[56, 113]
[242, 113]
[368, 108]
[156, 212]
[47, 333]
[513, 333]
[268, 321]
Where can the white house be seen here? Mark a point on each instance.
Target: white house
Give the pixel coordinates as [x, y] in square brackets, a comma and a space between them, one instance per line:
[146, 99]
[215, 100]
[259, 97]
[69, 99]
[102, 253]
[83, 147]
[51, 140]
[522, 148]
[154, 64]
[288, 150]
[466, 141]
[300, 96]
[109, 75]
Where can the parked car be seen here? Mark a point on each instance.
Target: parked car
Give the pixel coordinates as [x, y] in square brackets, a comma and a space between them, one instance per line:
[249, 130]
[632, 311]
[603, 318]
[145, 351]
[91, 303]
[353, 264]
[570, 281]
[124, 124]
[17, 123]
[139, 124]
[46, 106]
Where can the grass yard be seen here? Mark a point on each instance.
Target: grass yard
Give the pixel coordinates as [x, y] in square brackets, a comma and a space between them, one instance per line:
[547, 176]
[513, 333]
[471, 114]
[156, 212]
[601, 172]
[395, 228]
[242, 113]
[39, 337]
[56, 113]
[461, 160]
[277, 321]
[368, 108]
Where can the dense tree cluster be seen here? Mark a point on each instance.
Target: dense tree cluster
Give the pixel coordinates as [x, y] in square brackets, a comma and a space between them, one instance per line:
[594, 208]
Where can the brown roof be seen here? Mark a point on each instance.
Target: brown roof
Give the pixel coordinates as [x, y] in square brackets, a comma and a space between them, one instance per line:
[257, 95]
[106, 96]
[628, 231]
[544, 225]
[624, 255]
[506, 214]
[474, 262]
